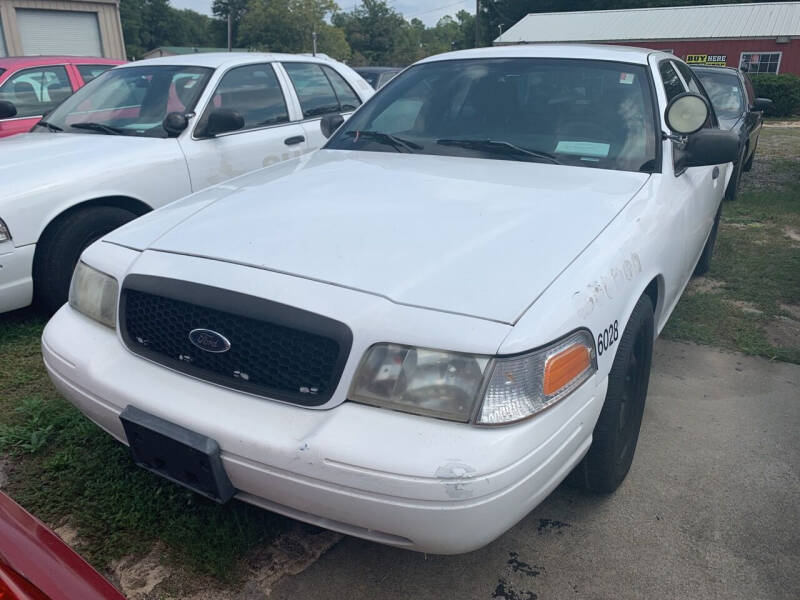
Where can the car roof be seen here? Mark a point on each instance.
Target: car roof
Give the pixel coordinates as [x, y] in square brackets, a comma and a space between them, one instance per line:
[13, 62]
[215, 60]
[626, 54]
[376, 69]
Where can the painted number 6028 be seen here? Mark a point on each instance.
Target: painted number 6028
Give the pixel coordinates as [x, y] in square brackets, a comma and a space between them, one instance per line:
[607, 337]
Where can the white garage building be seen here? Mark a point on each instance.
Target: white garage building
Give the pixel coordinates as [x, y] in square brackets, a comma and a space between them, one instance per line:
[61, 27]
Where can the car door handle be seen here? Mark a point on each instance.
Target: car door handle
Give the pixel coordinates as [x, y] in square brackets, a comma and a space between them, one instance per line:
[715, 173]
[292, 141]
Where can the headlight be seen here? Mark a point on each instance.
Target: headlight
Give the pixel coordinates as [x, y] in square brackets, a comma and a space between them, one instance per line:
[523, 385]
[5, 234]
[94, 294]
[463, 387]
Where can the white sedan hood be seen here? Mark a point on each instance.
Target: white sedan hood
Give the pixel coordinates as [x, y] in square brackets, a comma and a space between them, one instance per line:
[32, 162]
[470, 236]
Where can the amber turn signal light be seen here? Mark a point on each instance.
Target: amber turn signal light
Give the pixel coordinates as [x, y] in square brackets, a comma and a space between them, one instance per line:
[562, 368]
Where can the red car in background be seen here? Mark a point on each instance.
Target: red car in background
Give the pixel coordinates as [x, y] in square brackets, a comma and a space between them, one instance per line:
[35, 85]
[36, 565]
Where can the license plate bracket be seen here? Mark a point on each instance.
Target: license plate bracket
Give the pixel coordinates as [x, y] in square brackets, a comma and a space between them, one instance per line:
[176, 453]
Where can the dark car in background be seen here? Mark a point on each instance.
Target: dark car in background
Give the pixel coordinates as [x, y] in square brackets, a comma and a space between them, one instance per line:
[378, 77]
[738, 110]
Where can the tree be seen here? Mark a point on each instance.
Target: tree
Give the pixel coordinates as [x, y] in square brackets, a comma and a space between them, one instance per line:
[288, 26]
[372, 30]
[236, 8]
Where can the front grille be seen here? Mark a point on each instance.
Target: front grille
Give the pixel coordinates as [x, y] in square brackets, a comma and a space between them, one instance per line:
[275, 350]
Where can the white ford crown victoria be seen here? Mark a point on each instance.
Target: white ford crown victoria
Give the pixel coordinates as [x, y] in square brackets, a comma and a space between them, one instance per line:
[143, 135]
[414, 334]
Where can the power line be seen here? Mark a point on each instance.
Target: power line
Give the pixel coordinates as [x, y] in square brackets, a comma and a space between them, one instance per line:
[436, 9]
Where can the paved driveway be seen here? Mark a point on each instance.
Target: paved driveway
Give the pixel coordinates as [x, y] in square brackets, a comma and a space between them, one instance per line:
[711, 508]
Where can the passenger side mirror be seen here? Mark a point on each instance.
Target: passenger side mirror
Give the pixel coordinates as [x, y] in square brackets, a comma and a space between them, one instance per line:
[686, 113]
[223, 120]
[711, 147]
[761, 104]
[7, 110]
[330, 123]
[174, 123]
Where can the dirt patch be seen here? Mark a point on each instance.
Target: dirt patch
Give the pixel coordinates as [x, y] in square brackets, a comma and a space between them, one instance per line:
[68, 534]
[705, 285]
[746, 307]
[792, 233]
[782, 124]
[783, 332]
[137, 578]
[792, 309]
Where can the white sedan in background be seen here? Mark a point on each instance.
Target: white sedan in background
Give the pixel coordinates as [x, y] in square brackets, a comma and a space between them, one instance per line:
[145, 134]
[416, 333]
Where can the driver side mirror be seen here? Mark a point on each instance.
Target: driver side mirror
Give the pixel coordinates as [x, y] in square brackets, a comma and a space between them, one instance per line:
[7, 110]
[686, 113]
[223, 120]
[761, 104]
[330, 123]
[174, 123]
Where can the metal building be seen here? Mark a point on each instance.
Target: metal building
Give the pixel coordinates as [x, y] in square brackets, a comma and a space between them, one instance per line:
[61, 27]
[764, 36]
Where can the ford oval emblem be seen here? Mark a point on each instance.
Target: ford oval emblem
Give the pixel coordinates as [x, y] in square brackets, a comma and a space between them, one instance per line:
[209, 341]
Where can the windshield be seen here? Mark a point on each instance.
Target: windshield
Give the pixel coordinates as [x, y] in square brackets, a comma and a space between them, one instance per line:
[130, 101]
[576, 112]
[725, 91]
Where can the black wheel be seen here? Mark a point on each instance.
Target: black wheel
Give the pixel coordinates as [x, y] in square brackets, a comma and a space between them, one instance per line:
[704, 264]
[749, 162]
[60, 248]
[732, 191]
[617, 430]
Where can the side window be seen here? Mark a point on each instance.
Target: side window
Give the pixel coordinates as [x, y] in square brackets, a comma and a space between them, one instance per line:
[348, 100]
[672, 83]
[690, 78]
[36, 91]
[89, 72]
[313, 89]
[254, 92]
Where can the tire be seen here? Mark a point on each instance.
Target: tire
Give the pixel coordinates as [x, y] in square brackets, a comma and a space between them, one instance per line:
[704, 263]
[616, 433]
[749, 163]
[60, 248]
[732, 191]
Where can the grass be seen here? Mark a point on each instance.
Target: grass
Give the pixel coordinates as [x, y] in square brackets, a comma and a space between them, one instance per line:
[750, 299]
[63, 468]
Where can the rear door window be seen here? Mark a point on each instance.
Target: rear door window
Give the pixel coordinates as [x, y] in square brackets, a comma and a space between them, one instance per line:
[89, 72]
[314, 89]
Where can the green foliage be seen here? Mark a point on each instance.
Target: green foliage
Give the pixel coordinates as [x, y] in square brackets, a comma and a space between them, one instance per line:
[783, 90]
[148, 24]
[288, 26]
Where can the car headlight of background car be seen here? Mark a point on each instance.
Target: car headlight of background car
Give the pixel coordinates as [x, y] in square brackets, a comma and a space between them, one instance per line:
[94, 294]
[463, 387]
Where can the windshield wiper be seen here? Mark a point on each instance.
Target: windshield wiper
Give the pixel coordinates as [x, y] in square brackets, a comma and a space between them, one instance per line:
[50, 126]
[498, 147]
[98, 127]
[386, 139]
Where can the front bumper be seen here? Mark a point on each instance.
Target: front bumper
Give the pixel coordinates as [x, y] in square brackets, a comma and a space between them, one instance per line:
[16, 276]
[408, 481]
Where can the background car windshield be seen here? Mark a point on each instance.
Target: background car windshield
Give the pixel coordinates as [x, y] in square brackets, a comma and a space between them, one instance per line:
[131, 101]
[725, 91]
[578, 112]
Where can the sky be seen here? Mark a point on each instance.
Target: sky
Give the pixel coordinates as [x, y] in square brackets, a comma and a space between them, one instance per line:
[428, 11]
